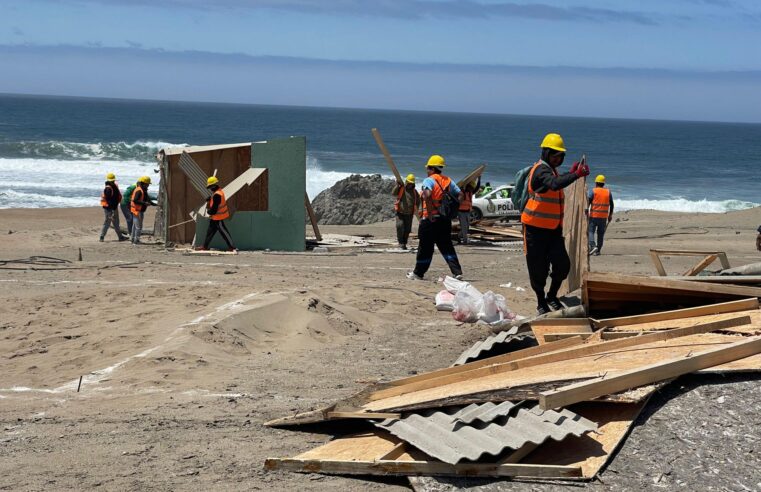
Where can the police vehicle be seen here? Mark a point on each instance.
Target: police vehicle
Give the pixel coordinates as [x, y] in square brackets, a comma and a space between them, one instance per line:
[495, 205]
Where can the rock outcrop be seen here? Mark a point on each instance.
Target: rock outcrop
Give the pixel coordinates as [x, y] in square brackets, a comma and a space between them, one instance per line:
[356, 200]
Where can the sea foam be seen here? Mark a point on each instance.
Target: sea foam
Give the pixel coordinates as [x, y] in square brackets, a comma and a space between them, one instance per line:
[684, 205]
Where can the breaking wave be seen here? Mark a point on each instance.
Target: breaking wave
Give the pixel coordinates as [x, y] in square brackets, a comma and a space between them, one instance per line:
[684, 205]
[105, 151]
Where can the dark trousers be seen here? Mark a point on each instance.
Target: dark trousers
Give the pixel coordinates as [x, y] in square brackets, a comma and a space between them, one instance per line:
[545, 248]
[127, 217]
[214, 226]
[438, 233]
[599, 226]
[403, 227]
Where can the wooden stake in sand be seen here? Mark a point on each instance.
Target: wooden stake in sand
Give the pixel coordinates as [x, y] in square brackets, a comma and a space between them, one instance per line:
[80, 383]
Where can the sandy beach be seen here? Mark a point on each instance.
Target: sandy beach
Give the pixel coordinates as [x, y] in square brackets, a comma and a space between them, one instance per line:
[179, 374]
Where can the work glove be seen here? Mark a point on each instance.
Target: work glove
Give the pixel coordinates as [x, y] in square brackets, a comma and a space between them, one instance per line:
[580, 169]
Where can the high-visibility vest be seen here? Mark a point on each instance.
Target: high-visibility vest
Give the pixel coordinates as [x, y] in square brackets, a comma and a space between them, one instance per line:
[104, 200]
[399, 199]
[222, 211]
[467, 201]
[600, 203]
[136, 208]
[437, 193]
[544, 210]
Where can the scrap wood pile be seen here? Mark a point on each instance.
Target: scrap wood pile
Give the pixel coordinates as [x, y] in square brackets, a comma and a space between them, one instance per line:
[491, 231]
[555, 410]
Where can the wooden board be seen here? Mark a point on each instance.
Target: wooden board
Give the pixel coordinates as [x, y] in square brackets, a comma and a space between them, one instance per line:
[645, 374]
[575, 226]
[363, 455]
[752, 328]
[312, 217]
[386, 154]
[561, 325]
[723, 307]
[472, 175]
[656, 253]
[701, 265]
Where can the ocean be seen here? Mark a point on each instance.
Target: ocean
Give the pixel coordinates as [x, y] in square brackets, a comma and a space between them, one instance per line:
[55, 151]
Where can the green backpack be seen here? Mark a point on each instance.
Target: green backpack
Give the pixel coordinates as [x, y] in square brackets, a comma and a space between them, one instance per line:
[520, 193]
[127, 196]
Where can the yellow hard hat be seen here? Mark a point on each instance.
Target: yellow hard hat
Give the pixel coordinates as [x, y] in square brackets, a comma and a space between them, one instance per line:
[435, 161]
[144, 179]
[600, 178]
[110, 177]
[212, 181]
[410, 178]
[553, 141]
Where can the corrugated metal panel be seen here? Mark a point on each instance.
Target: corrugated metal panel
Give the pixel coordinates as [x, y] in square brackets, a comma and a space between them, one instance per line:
[194, 173]
[444, 436]
[501, 343]
[484, 412]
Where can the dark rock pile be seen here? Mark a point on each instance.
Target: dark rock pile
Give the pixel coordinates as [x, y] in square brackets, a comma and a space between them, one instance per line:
[356, 200]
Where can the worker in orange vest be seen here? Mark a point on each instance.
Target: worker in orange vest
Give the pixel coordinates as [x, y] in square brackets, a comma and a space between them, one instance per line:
[406, 206]
[139, 202]
[600, 213]
[466, 205]
[218, 211]
[109, 200]
[542, 220]
[434, 229]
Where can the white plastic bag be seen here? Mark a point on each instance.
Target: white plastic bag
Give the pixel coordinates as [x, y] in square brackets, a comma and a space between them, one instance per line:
[454, 286]
[444, 301]
[466, 307]
[493, 308]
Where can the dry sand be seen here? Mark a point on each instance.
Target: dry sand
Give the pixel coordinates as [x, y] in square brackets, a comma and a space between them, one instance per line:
[184, 357]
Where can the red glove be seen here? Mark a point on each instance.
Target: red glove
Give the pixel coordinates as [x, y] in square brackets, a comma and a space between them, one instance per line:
[580, 170]
[575, 167]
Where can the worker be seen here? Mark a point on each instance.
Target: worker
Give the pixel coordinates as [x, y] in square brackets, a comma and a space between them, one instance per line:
[109, 200]
[600, 213]
[126, 207]
[138, 204]
[434, 229]
[758, 239]
[484, 190]
[406, 206]
[466, 205]
[218, 211]
[542, 220]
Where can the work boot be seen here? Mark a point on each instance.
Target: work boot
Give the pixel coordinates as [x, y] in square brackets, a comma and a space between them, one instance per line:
[458, 277]
[233, 250]
[403, 246]
[101, 240]
[414, 276]
[594, 251]
[554, 303]
[543, 308]
[123, 238]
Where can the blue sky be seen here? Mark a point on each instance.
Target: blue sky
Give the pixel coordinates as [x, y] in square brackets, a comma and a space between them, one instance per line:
[678, 59]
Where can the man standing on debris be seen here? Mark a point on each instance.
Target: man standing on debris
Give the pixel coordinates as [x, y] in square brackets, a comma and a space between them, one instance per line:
[542, 220]
[109, 200]
[600, 212]
[138, 204]
[433, 228]
[406, 205]
[466, 205]
[217, 209]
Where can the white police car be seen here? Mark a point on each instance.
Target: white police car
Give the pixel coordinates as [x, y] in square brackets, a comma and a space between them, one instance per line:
[495, 205]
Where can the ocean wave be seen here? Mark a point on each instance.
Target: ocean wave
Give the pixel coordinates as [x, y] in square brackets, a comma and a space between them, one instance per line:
[15, 199]
[141, 150]
[684, 205]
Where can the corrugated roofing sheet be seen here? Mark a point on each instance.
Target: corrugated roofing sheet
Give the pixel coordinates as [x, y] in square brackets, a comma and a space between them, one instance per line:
[446, 436]
[195, 175]
[501, 343]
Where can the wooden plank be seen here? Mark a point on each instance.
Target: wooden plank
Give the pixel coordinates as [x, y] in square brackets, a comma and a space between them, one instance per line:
[685, 252]
[561, 322]
[605, 335]
[573, 352]
[576, 240]
[543, 330]
[701, 265]
[312, 217]
[631, 283]
[432, 468]
[588, 390]
[363, 415]
[722, 279]
[387, 155]
[658, 263]
[722, 307]
[471, 175]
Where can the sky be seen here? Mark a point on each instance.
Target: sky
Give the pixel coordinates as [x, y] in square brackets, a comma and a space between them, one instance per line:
[661, 59]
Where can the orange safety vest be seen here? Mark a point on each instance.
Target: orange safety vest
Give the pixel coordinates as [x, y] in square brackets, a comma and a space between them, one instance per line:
[600, 203]
[136, 208]
[544, 210]
[399, 199]
[222, 211]
[467, 201]
[437, 193]
[104, 200]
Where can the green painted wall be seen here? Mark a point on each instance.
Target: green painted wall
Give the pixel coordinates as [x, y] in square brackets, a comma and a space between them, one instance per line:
[281, 228]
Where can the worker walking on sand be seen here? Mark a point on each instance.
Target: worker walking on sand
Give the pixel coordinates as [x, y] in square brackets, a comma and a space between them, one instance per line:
[109, 200]
[138, 204]
[406, 206]
[542, 220]
[126, 207]
[600, 212]
[435, 229]
[466, 205]
[218, 211]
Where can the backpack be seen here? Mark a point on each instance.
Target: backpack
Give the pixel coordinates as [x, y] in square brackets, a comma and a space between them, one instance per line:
[520, 193]
[450, 205]
[127, 196]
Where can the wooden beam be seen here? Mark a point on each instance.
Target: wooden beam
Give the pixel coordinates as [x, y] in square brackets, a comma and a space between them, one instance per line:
[573, 352]
[431, 468]
[658, 263]
[701, 265]
[386, 154]
[363, 415]
[720, 308]
[634, 284]
[312, 217]
[606, 385]
[471, 175]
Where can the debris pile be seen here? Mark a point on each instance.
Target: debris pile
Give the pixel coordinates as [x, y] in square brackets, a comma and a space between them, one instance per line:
[356, 200]
[491, 231]
[555, 410]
